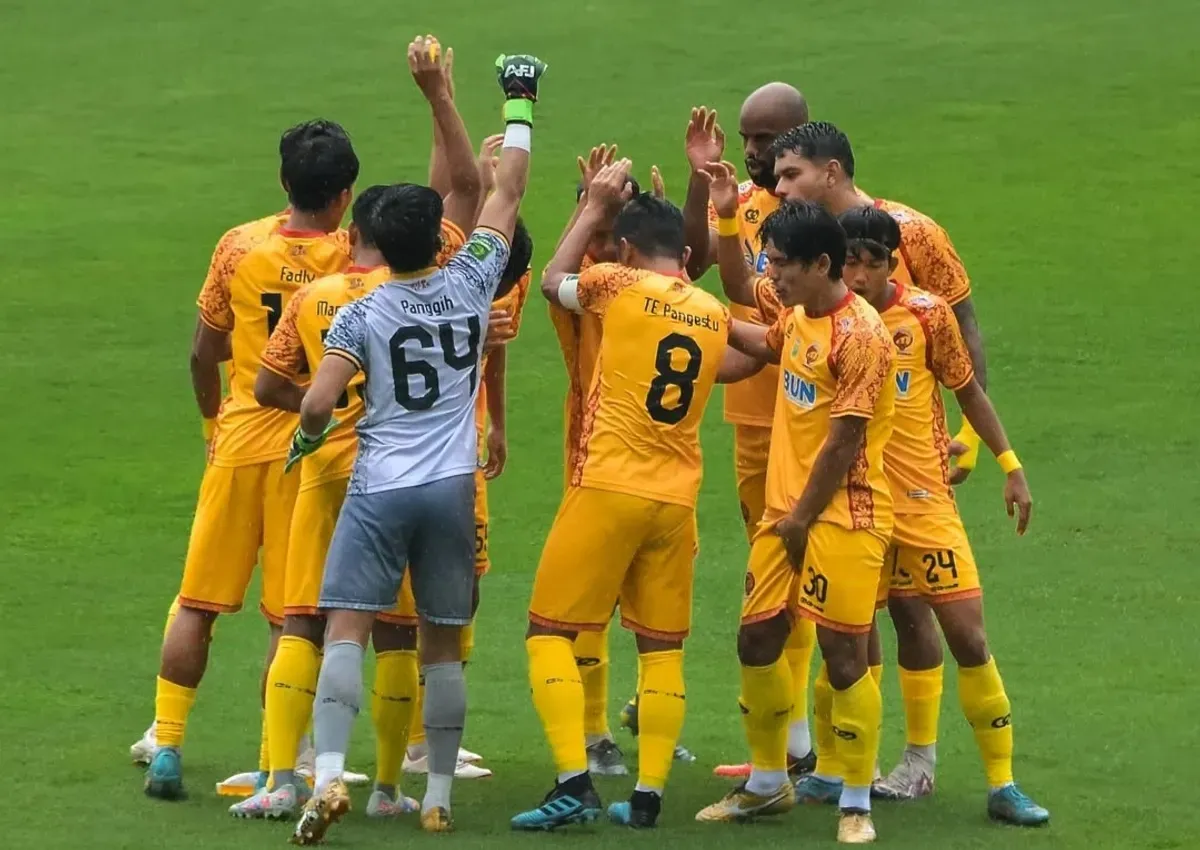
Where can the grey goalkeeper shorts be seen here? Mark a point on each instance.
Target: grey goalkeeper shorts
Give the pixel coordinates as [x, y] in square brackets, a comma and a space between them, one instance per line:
[429, 528]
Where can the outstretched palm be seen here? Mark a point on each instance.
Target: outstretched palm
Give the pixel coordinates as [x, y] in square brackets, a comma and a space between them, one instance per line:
[704, 141]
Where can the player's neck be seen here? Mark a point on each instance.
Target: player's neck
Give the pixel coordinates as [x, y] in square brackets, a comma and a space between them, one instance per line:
[886, 296]
[313, 222]
[367, 258]
[664, 266]
[843, 198]
[826, 300]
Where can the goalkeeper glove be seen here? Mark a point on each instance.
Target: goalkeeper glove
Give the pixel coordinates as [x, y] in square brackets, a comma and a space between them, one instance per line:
[303, 445]
[519, 76]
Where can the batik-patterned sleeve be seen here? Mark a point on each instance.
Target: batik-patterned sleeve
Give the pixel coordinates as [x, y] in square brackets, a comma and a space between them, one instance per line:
[284, 354]
[347, 336]
[861, 361]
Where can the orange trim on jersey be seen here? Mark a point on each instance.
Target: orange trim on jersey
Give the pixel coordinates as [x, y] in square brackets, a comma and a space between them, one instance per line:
[356, 269]
[765, 615]
[831, 625]
[271, 618]
[943, 598]
[345, 355]
[210, 323]
[503, 238]
[276, 369]
[397, 619]
[214, 607]
[585, 430]
[841, 304]
[301, 610]
[636, 628]
[302, 234]
[564, 626]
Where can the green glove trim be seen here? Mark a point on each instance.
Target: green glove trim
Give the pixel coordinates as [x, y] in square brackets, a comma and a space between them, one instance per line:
[518, 111]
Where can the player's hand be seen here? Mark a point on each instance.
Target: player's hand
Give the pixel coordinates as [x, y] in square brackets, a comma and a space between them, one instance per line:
[722, 187]
[958, 474]
[611, 188]
[1017, 499]
[794, 535]
[488, 160]
[303, 446]
[600, 156]
[657, 187]
[519, 76]
[448, 70]
[497, 453]
[425, 60]
[500, 330]
[704, 140]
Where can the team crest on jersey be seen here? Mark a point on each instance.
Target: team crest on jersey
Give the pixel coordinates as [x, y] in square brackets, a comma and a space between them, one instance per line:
[760, 262]
[297, 251]
[903, 339]
[356, 283]
[811, 355]
[752, 216]
[921, 300]
[799, 392]
[479, 249]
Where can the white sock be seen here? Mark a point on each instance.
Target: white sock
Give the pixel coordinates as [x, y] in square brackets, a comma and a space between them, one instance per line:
[328, 767]
[570, 774]
[856, 797]
[648, 789]
[927, 752]
[799, 740]
[765, 781]
[592, 740]
[437, 792]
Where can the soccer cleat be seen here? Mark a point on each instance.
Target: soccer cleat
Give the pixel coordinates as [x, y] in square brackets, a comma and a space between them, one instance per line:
[243, 784]
[855, 827]
[639, 812]
[1010, 805]
[142, 750]
[164, 776]
[468, 756]
[321, 812]
[629, 717]
[683, 754]
[436, 819]
[283, 802]
[740, 804]
[382, 806]
[797, 768]
[462, 770]
[574, 801]
[606, 759]
[814, 791]
[910, 779]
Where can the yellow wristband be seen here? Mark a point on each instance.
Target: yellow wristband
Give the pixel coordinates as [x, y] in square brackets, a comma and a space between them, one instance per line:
[1008, 461]
[728, 227]
[209, 427]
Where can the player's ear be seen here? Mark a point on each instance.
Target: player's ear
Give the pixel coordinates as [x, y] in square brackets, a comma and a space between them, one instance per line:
[624, 251]
[823, 264]
[283, 183]
[354, 235]
[687, 255]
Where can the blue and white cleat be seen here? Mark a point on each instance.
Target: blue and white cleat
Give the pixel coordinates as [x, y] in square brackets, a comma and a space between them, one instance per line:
[164, 777]
[575, 801]
[638, 812]
[1011, 805]
[813, 791]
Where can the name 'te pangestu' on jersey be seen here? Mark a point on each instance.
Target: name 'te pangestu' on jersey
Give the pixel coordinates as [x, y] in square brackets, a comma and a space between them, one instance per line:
[298, 343]
[255, 270]
[662, 343]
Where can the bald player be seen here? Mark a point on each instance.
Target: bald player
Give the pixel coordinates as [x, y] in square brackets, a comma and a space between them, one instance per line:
[750, 404]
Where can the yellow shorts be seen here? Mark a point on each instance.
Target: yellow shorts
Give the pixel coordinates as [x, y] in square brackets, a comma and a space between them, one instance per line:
[836, 589]
[751, 445]
[609, 548]
[240, 510]
[930, 557]
[483, 561]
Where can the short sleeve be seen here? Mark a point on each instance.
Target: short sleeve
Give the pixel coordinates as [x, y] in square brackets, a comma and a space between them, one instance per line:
[215, 301]
[284, 354]
[452, 242]
[513, 302]
[777, 331]
[766, 300]
[931, 258]
[949, 359]
[860, 361]
[481, 262]
[596, 288]
[347, 336]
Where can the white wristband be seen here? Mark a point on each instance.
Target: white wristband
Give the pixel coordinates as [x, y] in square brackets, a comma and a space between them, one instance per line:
[518, 136]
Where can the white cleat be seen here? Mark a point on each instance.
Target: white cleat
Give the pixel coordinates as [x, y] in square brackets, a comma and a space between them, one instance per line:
[283, 802]
[382, 806]
[468, 756]
[142, 750]
[463, 770]
[911, 779]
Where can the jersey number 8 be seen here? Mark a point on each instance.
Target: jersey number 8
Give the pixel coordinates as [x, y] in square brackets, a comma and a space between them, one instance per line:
[668, 376]
[403, 368]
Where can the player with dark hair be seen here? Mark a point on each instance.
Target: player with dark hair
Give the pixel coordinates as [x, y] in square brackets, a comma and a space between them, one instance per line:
[245, 501]
[819, 552]
[409, 506]
[930, 557]
[626, 528]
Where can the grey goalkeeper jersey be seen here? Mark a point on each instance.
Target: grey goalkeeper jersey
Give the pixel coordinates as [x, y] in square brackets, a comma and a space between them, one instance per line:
[419, 343]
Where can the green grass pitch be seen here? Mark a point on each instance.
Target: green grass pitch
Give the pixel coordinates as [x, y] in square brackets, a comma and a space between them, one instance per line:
[1056, 141]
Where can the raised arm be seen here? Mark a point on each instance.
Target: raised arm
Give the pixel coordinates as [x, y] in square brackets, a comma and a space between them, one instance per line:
[464, 186]
[609, 191]
[439, 172]
[752, 340]
[704, 142]
[736, 278]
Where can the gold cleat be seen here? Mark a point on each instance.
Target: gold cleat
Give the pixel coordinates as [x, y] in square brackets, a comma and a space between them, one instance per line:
[855, 828]
[436, 819]
[740, 804]
[321, 812]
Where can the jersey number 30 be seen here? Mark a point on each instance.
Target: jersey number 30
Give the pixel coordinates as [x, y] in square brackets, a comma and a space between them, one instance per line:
[407, 364]
[668, 376]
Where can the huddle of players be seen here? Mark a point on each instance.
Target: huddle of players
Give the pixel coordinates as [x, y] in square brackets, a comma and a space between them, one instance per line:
[848, 316]
[276, 290]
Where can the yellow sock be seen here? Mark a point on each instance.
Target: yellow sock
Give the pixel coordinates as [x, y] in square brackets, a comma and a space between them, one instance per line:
[986, 705]
[591, 656]
[829, 766]
[171, 612]
[466, 642]
[558, 698]
[416, 729]
[393, 698]
[291, 688]
[766, 705]
[172, 705]
[857, 715]
[922, 694]
[660, 715]
[799, 652]
[876, 671]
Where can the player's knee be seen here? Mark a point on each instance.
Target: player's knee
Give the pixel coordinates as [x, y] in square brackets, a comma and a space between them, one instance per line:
[306, 627]
[968, 644]
[538, 630]
[761, 644]
[349, 625]
[388, 637]
[646, 645]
